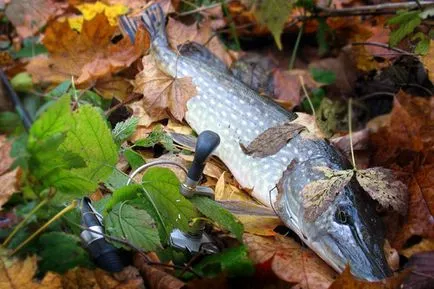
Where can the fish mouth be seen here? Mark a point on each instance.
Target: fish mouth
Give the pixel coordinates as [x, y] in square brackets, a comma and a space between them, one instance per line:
[359, 244]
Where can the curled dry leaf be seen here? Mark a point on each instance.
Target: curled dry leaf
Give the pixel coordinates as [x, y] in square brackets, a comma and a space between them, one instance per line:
[319, 194]
[289, 261]
[162, 92]
[88, 56]
[428, 60]
[272, 140]
[382, 186]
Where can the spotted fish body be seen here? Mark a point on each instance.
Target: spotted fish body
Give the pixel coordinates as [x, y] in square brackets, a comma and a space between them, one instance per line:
[238, 114]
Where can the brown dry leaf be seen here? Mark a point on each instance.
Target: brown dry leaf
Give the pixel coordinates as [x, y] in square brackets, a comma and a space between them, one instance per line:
[178, 127]
[156, 278]
[287, 86]
[9, 184]
[162, 92]
[145, 120]
[28, 16]
[428, 61]
[319, 194]
[348, 281]
[88, 56]
[289, 261]
[402, 133]
[382, 186]
[5, 150]
[420, 218]
[272, 140]
[344, 68]
[202, 33]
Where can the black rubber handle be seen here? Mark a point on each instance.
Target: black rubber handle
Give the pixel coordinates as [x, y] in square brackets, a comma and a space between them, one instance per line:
[88, 217]
[206, 143]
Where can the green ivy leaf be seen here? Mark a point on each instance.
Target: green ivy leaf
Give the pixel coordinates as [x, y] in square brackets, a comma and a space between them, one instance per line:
[233, 261]
[55, 244]
[273, 14]
[407, 22]
[220, 215]
[422, 46]
[124, 129]
[132, 224]
[22, 82]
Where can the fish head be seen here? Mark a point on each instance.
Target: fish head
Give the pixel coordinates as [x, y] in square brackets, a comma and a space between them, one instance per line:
[353, 234]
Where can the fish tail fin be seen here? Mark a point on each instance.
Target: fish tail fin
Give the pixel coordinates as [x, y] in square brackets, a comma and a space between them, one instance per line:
[128, 27]
[154, 20]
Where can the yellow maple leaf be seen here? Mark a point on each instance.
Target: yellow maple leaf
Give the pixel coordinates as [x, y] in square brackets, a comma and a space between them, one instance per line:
[90, 10]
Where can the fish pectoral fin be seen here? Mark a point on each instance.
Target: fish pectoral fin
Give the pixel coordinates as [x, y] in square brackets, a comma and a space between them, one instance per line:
[200, 53]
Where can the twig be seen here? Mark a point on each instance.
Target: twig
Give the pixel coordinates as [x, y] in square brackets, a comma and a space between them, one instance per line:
[372, 8]
[350, 116]
[200, 9]
[418, 4]
[383, 45]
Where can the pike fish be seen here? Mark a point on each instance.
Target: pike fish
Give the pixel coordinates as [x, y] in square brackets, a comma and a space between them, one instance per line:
[349, 231]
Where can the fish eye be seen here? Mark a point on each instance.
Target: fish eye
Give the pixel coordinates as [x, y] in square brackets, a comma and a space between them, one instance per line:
[342, 217]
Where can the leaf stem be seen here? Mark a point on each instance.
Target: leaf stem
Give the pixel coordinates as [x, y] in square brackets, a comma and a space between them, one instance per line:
[350, 117]
[24, 221]
[307, 95]
[296, 45]
[52, 220]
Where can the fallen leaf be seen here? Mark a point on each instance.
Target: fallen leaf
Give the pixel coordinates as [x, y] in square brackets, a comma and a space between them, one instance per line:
[202, 33]
[156, 278]
[287, 86]
[273, 14]
[145, 120]
[228, 192]
[9, 184]
[382, 186]
[5, 150]
[90, 10]
[16, 273]
[428, 60]
[88, 56]
[319, 194]
[178, 127]
[162, 92]
[28, 16]
[422, 271]
[272, 140]
[260, 225]
[347, 281]
[420, 218]
[289, 261]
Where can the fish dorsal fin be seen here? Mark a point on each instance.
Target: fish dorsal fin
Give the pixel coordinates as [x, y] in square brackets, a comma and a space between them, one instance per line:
[200, 53]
